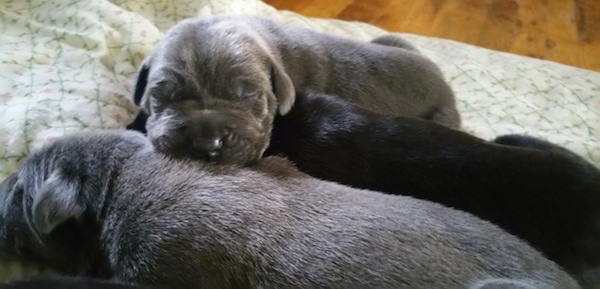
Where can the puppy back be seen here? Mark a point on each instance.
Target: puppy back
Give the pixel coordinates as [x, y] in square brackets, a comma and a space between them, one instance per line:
[273, 226]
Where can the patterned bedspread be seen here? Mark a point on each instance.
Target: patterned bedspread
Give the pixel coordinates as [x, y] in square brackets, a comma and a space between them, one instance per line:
[68, 65]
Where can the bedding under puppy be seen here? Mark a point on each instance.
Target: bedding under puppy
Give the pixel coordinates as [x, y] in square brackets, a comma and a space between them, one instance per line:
[212, 86]
[106, 204]
[536, 190]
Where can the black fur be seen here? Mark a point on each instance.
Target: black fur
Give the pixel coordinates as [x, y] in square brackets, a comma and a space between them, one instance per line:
[67, 283]
[534, 189]
[139, 123]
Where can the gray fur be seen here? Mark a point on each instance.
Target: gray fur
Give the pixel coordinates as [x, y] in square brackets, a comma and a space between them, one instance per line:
[395, 40]
[213, 85]
[151, 219]
[505, 283]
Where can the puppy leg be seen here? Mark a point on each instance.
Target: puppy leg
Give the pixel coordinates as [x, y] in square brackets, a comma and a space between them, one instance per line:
[395, 40]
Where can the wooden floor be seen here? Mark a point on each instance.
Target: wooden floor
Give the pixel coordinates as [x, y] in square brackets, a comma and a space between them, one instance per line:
[565, 31]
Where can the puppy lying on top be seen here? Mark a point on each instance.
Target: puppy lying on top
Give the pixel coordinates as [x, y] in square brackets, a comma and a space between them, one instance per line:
[534, 189]
[105, 204]
[213, 85]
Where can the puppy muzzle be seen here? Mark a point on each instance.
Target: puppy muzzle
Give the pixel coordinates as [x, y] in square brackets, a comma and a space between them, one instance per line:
[209, 136]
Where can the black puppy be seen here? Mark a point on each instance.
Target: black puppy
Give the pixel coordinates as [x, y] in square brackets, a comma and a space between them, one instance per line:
[536, 190]
[55, 282]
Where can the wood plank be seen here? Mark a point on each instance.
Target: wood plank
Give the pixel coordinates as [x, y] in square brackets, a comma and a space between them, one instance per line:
[588, 20]
[421, 16]
[460, 20]
[562, 38]
[530, 39]
[566, 31]
[364, 10]
[394, 15]
[501, 25]
[588, 27]
[324, 9]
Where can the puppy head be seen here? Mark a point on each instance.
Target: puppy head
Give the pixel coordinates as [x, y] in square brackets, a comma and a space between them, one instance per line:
[50, 208]
[211, 90]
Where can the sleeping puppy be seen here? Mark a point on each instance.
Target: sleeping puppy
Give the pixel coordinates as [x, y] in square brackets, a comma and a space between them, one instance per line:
[213, 85]
[534, 189]
[105, 204]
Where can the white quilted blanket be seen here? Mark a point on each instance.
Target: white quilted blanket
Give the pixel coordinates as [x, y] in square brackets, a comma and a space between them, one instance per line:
[67, 65]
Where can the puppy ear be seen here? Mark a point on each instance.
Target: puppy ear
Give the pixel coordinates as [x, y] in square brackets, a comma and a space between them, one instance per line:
[57, 201]
[141, 81]
[283, 88]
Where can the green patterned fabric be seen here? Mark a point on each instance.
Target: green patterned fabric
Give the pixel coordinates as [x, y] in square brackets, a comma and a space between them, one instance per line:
[68, 65]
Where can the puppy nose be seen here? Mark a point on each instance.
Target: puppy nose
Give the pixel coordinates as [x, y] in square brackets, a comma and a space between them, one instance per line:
[210, 146]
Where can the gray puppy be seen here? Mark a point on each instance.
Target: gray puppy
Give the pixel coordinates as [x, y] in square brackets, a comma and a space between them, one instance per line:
[105, 204]
[213, 85]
